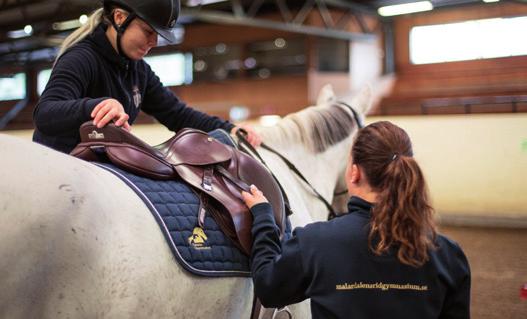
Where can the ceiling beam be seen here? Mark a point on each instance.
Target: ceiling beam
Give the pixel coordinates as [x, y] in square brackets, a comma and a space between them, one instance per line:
[351, 5]
[228, 18]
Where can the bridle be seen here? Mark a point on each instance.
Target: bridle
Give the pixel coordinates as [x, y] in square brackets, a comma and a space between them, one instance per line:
[241, 134]
[360, 125]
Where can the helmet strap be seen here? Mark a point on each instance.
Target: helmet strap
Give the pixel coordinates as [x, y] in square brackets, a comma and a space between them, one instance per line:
[120, 31]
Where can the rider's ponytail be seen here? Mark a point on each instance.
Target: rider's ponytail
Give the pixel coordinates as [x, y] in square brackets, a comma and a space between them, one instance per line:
[93, 21]
[402, 217]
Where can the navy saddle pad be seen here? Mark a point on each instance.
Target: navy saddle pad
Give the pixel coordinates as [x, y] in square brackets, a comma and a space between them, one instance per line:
[202, 251]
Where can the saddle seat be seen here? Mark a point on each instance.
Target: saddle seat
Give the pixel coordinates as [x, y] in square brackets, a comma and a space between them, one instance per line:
[216, 169]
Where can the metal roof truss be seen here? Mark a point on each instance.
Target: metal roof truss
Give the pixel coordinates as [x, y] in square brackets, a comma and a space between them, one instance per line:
[291, 21]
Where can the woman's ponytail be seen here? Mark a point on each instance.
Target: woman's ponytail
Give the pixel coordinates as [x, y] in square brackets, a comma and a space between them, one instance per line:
[93, 21]
[402, 217]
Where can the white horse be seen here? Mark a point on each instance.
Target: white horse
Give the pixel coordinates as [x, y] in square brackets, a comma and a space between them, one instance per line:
[76, 242]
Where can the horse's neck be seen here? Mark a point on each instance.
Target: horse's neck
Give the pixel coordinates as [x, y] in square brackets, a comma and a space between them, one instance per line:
[322, 170]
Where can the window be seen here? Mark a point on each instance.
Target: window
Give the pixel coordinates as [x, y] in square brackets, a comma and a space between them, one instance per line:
[469, 40]
[333, 55]
[13, 87]
[172, 69]
[42, 80]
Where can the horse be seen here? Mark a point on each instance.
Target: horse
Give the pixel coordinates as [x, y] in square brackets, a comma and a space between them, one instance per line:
[76, 242]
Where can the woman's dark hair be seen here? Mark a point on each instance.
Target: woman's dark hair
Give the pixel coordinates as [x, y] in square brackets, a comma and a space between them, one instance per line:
[402, 217]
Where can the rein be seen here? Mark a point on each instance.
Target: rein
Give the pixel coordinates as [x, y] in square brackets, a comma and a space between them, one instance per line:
[342, 192]
[241, 134]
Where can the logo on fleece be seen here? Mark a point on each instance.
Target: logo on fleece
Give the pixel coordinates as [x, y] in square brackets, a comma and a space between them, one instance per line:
[137, 96]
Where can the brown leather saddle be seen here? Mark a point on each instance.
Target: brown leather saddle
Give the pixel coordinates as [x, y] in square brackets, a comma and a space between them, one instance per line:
[217, 170]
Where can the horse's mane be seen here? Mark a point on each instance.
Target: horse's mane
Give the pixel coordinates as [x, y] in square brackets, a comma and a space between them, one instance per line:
[316, 127]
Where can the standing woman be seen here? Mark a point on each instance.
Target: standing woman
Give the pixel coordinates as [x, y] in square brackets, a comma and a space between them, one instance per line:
[100, 74]
[383, 259]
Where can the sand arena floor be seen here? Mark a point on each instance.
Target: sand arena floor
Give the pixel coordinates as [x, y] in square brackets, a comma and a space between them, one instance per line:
[498, 261]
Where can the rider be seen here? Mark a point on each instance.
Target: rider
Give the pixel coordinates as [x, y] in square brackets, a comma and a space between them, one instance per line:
[100, 74]
[383, 259]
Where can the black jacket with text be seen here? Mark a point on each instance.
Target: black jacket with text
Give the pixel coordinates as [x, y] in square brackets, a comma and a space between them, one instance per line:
[330, 262]
[92, 71]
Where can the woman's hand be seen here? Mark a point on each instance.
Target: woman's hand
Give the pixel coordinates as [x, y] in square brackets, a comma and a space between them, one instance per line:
[110, 110]
[255, 197]
[252, 136]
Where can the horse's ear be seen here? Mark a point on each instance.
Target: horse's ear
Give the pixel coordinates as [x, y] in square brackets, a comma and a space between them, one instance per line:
[326, 95]
[363, 101]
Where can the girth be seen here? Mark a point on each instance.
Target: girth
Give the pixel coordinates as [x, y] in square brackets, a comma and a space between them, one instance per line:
[219, 171]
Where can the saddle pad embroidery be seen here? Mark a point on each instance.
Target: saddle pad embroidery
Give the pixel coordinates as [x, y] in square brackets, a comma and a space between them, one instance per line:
[175, 206]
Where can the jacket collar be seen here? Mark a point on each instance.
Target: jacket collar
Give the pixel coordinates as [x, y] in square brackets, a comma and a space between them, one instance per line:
[357, 205]
[103, 45]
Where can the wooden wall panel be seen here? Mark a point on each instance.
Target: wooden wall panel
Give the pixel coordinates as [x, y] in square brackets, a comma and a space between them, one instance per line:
[277, 95]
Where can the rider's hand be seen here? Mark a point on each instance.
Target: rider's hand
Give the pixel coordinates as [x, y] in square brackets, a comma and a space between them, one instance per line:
[252, 136]
[110, 110]
[254, 197]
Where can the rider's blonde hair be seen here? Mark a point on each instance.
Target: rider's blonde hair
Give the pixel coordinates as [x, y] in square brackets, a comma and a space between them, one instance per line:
[93, 21]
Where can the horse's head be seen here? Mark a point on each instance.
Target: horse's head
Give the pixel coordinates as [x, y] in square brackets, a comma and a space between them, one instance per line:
[317, 140]
[361, 104]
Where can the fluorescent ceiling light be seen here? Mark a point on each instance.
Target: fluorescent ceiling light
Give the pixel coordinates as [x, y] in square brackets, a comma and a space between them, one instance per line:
[28, 29]
[66, 25]
[83, 19]
[490, 1]
[195, 3]
[15, 34]
[405, 8]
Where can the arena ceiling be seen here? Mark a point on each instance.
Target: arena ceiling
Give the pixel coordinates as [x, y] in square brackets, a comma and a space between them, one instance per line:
[21, 44]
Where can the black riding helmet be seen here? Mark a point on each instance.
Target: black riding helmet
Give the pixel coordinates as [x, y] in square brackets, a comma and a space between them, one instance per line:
[160, 15]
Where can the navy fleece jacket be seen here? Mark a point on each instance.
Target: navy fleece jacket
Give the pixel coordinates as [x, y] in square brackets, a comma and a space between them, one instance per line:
[330, 262]
[92, 71]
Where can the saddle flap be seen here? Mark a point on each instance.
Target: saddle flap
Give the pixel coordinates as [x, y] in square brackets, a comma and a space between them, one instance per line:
[139, 162]
[241, 218]
[123, 149]
[194, 147]
[251, 171]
